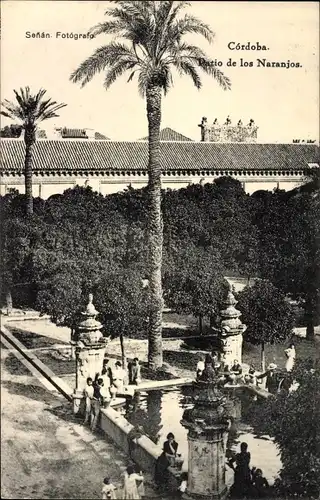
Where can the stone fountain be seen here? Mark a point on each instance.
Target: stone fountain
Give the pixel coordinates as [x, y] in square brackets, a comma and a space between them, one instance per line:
[208, 424]
[231, 331]
[89, 345]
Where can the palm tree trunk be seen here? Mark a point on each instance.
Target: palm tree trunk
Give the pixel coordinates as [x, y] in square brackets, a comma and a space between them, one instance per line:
[200, 324]
[123, 354]
[263, 358]
[9, 305]
[155, 230]
[309, 320]
[28, 174]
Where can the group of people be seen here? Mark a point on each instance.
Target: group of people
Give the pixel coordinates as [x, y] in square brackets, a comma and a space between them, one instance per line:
[100, 390]
[213, 367]
[248, 482]
[132, 487]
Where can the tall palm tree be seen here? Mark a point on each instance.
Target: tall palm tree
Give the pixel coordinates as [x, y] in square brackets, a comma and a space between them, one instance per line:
[30, 110]
[154, 35]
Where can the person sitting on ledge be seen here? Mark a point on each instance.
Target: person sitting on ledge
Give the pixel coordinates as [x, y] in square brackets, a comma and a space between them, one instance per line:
[170, 448]
[236, 368]
[161, 473]
[250, 377]
[118, 375]
[216, 363]
[208, 373]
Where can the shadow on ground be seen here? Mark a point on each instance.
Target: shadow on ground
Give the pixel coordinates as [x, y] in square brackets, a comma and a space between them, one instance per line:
[35, 392]
[14, 366]
[32, 340]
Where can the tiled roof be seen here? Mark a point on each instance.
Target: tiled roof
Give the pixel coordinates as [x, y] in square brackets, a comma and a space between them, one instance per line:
[73, 133]
[167, 134]
[110, 156]
[78, 133]
[100, 137]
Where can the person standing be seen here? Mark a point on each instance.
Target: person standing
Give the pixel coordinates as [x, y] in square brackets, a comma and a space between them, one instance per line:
[88, 393]
[291, 357]
[272, 380]
[134, 370]
[242, 473]
[96, 402]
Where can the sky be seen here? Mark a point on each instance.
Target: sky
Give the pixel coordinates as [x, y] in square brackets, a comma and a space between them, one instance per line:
[283, 102]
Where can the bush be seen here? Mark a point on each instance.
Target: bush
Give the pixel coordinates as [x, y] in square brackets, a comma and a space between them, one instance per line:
[294, 422]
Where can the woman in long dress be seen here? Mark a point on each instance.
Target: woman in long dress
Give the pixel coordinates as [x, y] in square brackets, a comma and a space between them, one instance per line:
[132, 484]
[291, 357]
[242, 473]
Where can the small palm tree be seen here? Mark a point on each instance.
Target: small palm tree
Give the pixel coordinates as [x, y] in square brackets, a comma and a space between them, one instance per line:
[154, 32]
[30, 110]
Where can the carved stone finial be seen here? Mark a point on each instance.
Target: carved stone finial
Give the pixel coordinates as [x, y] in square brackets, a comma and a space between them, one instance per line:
[89, 327]
[90, 309]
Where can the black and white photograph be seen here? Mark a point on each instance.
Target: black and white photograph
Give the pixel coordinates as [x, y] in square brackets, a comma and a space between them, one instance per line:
[160, 250]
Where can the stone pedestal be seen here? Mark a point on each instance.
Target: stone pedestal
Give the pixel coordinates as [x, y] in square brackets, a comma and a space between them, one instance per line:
[208, 427]
[89, 347]
[231, 331]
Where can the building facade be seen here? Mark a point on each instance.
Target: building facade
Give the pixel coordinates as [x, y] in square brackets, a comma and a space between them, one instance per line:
[111, 166]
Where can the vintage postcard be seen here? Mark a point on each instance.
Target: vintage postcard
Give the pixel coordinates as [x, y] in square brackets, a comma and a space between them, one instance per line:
[160, 249]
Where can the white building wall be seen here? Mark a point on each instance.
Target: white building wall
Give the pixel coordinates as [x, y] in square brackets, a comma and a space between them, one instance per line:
[46, 186]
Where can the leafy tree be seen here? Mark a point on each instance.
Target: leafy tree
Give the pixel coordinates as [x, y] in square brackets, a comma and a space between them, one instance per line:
[154, 32]
[12, 131]
[214, 215]
[289, 234]
[123, 303]
[195, 285]
[267, 314]
[294, 422]
[30, 109]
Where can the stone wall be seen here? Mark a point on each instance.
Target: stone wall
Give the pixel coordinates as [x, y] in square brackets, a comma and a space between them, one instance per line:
[144, 452]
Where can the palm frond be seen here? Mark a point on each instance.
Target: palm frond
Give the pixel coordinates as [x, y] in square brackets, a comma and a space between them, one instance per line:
[186, 50]
[143, 80]
[190, 24]
[105, 56]
[116, 71]
[50, 111]
[209, 67]
[108, 28]
[184, 66]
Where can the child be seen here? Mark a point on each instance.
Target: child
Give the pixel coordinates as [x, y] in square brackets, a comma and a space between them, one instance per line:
[259, 484]
[132, 484]
[184, 481]
[108, 490]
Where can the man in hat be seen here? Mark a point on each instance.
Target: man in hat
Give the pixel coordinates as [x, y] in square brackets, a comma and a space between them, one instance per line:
[271, 376]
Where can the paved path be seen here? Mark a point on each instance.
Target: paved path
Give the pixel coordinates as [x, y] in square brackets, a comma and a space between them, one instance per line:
[45, 452]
